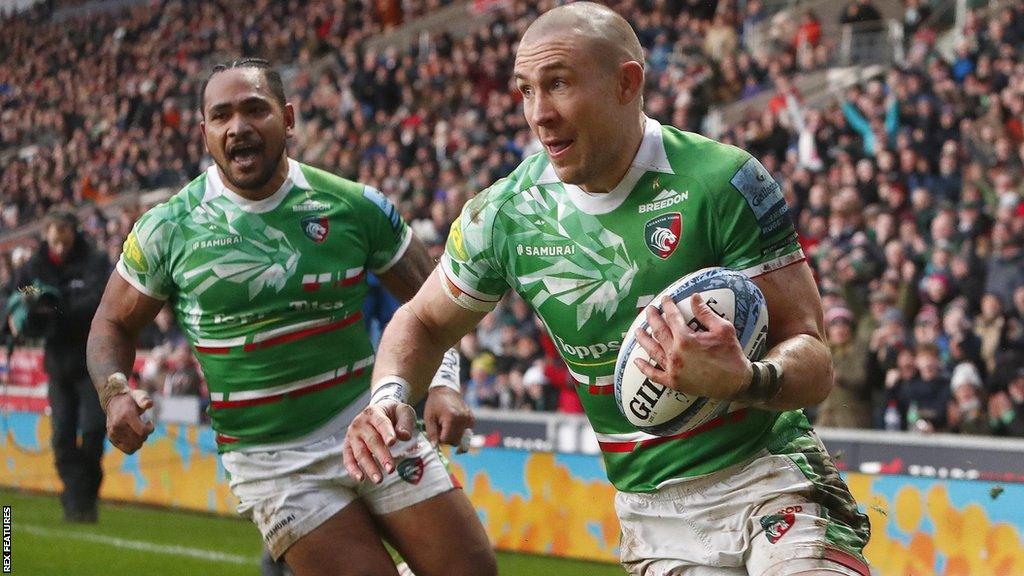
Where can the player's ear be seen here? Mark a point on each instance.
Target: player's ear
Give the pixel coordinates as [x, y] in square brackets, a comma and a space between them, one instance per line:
[202, 129]
[631, 81]
[289, 120]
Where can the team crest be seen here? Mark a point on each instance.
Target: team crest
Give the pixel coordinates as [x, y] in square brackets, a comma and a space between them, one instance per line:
[662, 234]
[411, 470]
[776, 525]
[316, 228]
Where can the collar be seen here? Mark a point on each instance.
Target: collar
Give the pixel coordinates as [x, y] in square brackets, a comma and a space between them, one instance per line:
[215, 188]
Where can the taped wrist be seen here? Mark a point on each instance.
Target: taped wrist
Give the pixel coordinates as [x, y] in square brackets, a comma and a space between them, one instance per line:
[447, 375]
[390, 388]
[116, 384]
[764, 384]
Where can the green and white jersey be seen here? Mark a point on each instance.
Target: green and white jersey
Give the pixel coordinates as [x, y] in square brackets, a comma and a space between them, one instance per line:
[589, 263]
[270, 293]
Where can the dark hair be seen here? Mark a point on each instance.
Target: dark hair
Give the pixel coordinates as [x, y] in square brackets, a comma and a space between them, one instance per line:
[62, 215]
[272, 76]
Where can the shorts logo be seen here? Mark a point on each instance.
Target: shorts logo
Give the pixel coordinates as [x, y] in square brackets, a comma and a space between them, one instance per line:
[662, 234]
[776, 526]
[316, 228]
[277, 526]
[411, 470]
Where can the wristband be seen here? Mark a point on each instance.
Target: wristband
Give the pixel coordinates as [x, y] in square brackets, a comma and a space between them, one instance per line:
[447, 375]
[116, 384]
[390, 388]
[765, 383]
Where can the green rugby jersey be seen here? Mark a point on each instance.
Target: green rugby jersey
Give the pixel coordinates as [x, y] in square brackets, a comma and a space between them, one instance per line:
[589, 263]
[269, 294]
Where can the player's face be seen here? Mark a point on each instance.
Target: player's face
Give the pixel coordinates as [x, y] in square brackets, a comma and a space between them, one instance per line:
[245, 130]
[571, 105]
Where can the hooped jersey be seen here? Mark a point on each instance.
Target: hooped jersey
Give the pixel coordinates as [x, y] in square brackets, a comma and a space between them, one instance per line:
[269, 293]
[588, 263]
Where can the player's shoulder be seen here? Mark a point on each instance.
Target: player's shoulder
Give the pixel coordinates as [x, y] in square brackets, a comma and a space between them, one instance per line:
[179, 207]
[524, 177]
[326, 182]
[692, 153]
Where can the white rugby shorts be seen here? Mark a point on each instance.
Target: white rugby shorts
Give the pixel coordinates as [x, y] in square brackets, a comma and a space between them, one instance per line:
[289, 492]
[759, 518]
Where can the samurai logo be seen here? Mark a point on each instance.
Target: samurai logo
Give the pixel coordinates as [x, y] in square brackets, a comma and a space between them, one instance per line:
[662, 234]
[411, 470]
[316, 228]
[776, 526]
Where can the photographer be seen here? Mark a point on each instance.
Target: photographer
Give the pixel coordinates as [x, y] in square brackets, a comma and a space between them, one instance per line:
[59, 289]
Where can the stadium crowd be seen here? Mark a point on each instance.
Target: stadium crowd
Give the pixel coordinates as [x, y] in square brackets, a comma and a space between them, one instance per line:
[906, 191]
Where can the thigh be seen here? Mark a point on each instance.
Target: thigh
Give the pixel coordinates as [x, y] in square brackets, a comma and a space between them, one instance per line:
[290, 493]
[427, 519]
[441, 536]
[346, 544]
[693, 527]
[809, 521]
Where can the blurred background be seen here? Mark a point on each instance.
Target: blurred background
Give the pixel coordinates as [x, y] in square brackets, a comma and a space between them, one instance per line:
[895, 127]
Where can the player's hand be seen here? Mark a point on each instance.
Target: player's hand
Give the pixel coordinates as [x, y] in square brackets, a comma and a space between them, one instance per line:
[125, 426]
[446, 416]
[375, 429]
[704, 363]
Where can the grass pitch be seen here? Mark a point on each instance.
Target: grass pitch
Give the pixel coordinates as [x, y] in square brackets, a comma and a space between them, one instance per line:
[134, 540]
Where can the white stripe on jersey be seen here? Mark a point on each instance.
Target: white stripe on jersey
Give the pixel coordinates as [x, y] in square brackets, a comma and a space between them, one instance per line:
[772, 265]
[398, 253]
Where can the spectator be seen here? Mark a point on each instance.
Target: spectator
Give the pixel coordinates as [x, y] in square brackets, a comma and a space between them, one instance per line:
[966, 409]
[70, 269]
[848, 405]
[1007, 408]
[923, 400]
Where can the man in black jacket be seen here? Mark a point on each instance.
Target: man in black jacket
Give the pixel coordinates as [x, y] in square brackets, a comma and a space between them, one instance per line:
[70, 270]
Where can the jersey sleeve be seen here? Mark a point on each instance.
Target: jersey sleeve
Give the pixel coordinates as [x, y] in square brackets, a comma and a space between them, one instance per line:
[145, 255]
[471, 274]
[755, 233]
[388, 236]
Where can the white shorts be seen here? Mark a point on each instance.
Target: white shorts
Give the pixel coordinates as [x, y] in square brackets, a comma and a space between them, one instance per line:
[289, 492]
[759, 518]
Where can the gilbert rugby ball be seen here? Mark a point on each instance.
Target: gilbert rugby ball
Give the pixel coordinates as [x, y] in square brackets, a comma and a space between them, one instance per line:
[657, 410]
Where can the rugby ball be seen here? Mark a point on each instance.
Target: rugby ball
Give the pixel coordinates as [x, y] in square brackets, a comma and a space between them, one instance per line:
[658, 410]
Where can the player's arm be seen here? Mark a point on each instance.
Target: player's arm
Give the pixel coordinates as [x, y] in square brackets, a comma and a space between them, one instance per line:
[446, 416]
[754, 234]
[110, 354]
[410, 351]
[796, 339]
[405, 276]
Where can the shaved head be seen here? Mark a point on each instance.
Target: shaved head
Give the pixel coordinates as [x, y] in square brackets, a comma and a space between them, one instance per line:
[609, 35]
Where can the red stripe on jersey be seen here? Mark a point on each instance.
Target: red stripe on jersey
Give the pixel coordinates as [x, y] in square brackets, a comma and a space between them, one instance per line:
[213, 349]
[710, 425]
[300, 334]
[601, 389]
[353, 280]
[218, 404]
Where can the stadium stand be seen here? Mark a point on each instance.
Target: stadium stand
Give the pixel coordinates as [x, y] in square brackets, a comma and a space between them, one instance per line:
[905, 185]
